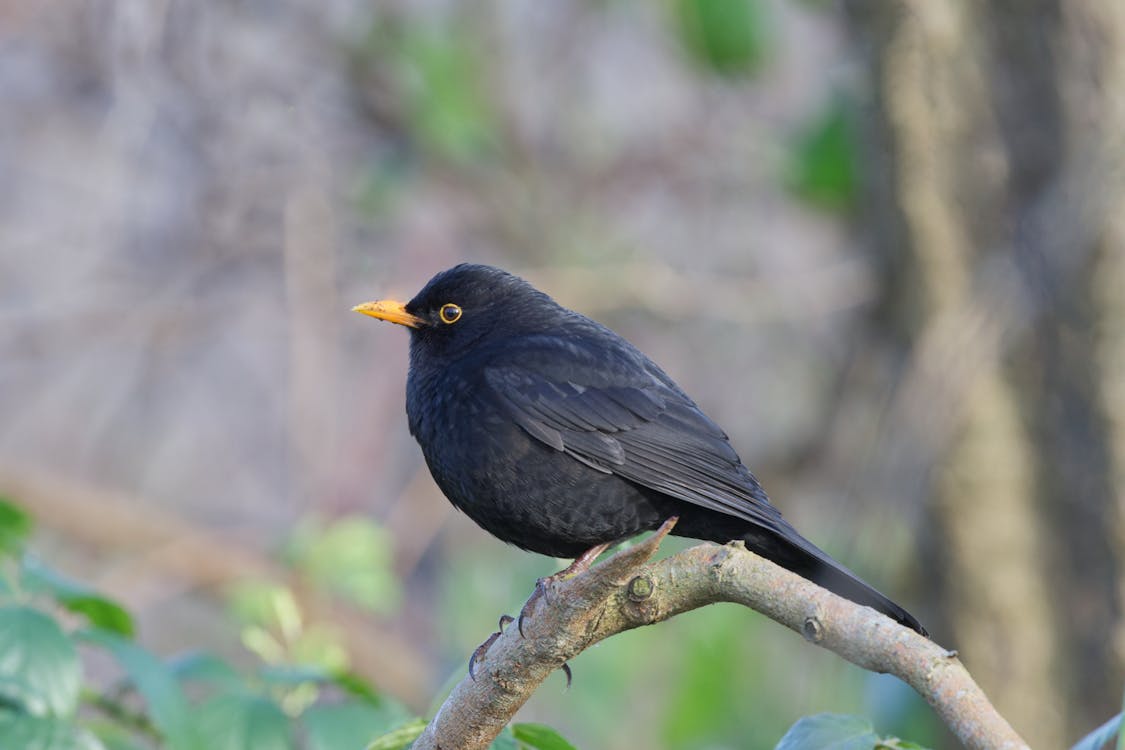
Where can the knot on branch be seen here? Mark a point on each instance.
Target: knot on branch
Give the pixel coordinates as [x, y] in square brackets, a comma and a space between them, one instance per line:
[641, 588]
[812, 629]
[641, 608]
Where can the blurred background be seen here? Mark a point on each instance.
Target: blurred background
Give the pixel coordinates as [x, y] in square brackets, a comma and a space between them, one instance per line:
[881, 242]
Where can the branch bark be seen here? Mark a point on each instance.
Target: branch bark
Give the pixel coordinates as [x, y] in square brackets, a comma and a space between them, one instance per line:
[627, 591]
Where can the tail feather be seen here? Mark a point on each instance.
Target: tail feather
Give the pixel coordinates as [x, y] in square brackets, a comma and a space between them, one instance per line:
[809, 561]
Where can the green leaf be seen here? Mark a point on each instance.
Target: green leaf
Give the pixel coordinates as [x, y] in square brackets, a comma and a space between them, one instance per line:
[824, 162]
[153, 679]
[354, 685]
[205, 668]
[39, 667]
[830, 732]
[100, 611]
[267, 604]
[42, 733]
[728, 36]
[351, 557]
[15, 528]
[400, 737]
[239, 721]
[343, 725]
[540, 737]
[348, 682]
[505, 741]
[294, 674]
[116, 736]
[1102, 736]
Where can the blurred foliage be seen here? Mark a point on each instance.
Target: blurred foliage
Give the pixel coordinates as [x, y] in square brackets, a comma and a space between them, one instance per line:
[431, 76]
[276, 631]
[838, 732]
[1103, 737]
[196, 702]
[514, 737]
[350, 557]
[300, 695]
[728, 37]
[15, 525]
[824, 162]
[76, 598]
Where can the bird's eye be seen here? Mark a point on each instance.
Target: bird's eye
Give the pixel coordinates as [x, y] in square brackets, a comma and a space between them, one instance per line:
[450, 313]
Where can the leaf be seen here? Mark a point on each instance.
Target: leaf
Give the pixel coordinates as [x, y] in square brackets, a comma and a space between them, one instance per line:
[153, 679]
[354, 685]
[294, 674]
[824, 161]
[1102, 736]
[39, 667]
[15, 527]
[540, 737]
[100, 611]
[400, 737]
[205, 668]
[343, 725]
[268, 605]
[44, 733]
[240, 721]
[320, 644]
[728, 36]
[504, 741]
[830, 732]
[351, 557]
[116, 736]
[348, 682]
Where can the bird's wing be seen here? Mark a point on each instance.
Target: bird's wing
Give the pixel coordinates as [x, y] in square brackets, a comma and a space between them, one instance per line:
[616, 411]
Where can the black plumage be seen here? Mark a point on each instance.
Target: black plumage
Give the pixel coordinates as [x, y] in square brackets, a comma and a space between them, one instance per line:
[556, 435]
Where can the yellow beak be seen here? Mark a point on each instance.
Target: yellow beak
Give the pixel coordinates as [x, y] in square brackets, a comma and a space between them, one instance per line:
[391, 311]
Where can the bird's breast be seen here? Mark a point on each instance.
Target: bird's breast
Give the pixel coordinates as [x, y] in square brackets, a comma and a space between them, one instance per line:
[514, 486]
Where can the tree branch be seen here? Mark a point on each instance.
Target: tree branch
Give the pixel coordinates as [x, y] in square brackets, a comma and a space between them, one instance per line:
[627, 591]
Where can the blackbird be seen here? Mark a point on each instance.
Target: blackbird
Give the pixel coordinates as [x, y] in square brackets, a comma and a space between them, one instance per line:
[557, 435]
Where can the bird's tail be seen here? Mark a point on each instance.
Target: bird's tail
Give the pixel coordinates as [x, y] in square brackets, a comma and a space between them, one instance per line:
[809, 561]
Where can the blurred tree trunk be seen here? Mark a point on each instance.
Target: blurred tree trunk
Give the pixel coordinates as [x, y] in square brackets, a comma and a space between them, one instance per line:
[1097, 32]
[1000, 130]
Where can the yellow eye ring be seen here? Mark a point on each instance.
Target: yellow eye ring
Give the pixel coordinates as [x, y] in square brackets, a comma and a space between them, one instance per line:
[450, 313]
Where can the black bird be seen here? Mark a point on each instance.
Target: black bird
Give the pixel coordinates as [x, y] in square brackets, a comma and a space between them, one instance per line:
[556, 435]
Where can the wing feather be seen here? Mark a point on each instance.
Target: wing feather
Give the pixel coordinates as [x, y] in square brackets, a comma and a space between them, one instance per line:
[629, 420]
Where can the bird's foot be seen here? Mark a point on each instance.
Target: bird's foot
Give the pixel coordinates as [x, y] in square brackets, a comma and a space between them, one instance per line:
[482, 649]
[580, 565]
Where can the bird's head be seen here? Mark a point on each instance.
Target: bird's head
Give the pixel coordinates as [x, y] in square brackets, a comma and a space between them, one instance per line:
[460, 306]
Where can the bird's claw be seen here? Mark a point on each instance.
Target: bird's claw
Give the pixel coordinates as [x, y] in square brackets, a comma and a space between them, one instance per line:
[540, 592]
[580, 565]
[506, 620]
[482, 649]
